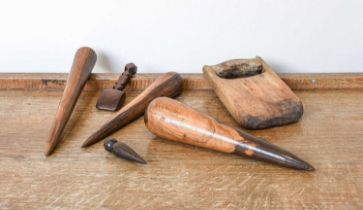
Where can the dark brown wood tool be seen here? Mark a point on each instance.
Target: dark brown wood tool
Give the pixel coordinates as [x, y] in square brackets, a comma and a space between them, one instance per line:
[253, 93]
[113, 99]
[170, 119]
[168, 84]
[83, 64]
[123, 151]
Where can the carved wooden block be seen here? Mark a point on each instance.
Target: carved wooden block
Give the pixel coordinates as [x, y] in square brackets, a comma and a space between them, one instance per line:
[253, 93]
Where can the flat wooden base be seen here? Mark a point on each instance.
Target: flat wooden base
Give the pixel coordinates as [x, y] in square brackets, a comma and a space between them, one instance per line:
[259, 101]
[178, 176]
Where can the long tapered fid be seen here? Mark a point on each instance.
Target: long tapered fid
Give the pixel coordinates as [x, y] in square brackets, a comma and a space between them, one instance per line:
[122, 150]
[168, 84]
[83, 64]
[170, 119]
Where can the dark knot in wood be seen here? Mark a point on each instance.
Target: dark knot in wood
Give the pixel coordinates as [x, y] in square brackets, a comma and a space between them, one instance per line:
[240, 70]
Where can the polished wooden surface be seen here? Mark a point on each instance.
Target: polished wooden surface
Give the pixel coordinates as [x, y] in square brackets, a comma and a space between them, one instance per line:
[173, 120]
[83, 63]
[178, 176]
[255, 102]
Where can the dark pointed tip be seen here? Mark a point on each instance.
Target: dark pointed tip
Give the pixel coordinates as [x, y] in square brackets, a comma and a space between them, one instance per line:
[300, 165]
[311, 168]
[140, 160]
[122, 150]
[308, 167]
[90, 141]
[264, 150]
[49, 150]
[133, 156]
[47, 153]
[85, 144]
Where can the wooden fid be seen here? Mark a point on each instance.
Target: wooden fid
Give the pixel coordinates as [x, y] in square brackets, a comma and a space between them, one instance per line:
[170, 119]
[83, 64]
[168, 84]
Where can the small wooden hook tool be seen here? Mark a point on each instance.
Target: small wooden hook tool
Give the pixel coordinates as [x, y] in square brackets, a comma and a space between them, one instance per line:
[83, 63]
[113, 99]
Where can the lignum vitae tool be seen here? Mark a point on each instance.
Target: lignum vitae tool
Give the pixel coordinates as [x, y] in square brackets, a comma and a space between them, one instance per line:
[172, 120]
[123, 151]
[168, 84]
[113, 99]
[83, 64]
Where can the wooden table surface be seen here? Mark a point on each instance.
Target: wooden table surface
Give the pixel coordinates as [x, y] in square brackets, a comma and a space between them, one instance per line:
[177, 176]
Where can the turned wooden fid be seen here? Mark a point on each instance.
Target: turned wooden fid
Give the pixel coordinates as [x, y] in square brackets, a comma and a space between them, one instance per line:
[168, 84]
[83, 64]
[113, 99]
[170, 119]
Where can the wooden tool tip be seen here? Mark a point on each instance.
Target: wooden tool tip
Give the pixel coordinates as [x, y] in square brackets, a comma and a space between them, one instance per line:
[48, 151]
[123, 151]
[307, 167]
[87, 143]
[95, 137]
[100, 134]
[301, 165]
[51, 144]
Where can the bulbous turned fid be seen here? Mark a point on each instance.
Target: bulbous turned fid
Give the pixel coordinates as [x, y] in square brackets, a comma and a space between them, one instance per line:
[172, 120]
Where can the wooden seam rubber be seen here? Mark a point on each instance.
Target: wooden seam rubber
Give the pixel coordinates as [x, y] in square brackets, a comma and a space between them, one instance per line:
[168, 84]
[113, 99]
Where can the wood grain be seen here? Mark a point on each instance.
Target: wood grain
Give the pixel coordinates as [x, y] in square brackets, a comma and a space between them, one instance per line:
[259, 101]
[175, 121]
[82, 66]
[46, 81]
[178, 176]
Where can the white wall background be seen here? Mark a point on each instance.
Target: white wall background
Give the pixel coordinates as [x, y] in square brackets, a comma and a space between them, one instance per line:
[183, 35]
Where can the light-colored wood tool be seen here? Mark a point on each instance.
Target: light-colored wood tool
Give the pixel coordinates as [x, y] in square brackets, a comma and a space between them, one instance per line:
[170, 119]
[83, 64]
[168, 84]
[253, 93]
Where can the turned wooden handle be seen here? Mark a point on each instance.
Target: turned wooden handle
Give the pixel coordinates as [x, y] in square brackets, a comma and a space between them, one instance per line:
[168, 84]
[175, 121]
[83, 64]
[170, 119]
[130, 70]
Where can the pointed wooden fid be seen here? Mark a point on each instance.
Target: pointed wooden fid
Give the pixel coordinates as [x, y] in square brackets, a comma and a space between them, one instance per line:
[170, 119]
[83, 64]
[168, 84]
[123, 151]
